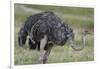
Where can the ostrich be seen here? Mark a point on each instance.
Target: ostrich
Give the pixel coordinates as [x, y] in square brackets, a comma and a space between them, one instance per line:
[46, 30]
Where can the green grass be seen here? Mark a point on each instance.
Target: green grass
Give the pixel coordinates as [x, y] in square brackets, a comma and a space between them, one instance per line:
[77, 18]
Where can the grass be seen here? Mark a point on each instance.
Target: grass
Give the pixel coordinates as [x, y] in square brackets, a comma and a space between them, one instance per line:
[78, 18]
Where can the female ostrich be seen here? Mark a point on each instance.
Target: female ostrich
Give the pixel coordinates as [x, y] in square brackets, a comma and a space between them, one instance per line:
[46, 30]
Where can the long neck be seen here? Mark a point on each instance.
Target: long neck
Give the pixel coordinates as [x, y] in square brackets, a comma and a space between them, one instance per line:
[77, 47]
[83, 38]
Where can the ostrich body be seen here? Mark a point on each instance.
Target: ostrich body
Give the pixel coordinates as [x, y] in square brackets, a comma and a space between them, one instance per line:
[46, 30]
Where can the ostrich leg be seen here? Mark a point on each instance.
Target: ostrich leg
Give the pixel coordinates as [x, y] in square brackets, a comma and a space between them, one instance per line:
[42, 52]
[49, 47]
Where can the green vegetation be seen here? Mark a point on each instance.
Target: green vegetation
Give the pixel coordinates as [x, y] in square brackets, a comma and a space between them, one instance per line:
[78, 18]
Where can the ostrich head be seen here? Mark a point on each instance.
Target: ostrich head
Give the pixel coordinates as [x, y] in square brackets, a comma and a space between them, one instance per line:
[83, 40]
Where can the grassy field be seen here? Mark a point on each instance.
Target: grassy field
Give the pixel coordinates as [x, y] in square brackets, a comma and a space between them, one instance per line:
[78, 18]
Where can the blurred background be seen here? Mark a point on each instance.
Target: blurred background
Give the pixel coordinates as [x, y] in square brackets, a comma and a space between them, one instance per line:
[77, 18]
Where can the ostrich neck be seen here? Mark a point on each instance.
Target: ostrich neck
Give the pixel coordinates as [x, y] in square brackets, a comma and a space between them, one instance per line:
[83, 38]
[82, 45]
